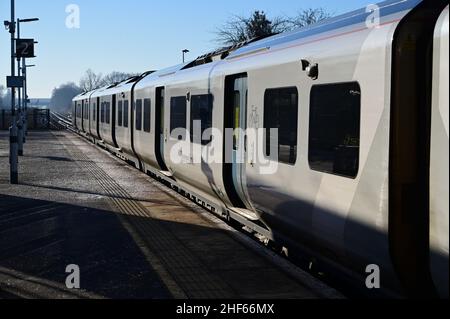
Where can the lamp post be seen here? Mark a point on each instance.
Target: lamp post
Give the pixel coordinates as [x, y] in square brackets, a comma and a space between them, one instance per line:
[184, 53]
[22, 98]
[13, 146]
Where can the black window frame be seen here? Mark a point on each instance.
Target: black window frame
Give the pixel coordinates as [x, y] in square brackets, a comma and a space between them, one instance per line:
[126, 112]
[147, 115]
[108, 113]
[138, 119]
[120, 113]
[102, 112]
[270, 119]
[346, 154]
[179, 122]
[85, 115]
[204, 127]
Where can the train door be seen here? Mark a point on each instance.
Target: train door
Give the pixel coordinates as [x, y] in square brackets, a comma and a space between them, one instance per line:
[160, 130]
[236, 154]
[113, 120]
[97, 122]
[88, 115]
[83, 107]
[74, 115]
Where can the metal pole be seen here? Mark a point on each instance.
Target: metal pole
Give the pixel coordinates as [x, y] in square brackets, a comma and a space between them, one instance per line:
[13, 147]
[20, 134]
[25, 101]
[184, 54]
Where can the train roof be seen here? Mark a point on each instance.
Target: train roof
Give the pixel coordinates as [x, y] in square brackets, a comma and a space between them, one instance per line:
[387, 9]
[81, 96]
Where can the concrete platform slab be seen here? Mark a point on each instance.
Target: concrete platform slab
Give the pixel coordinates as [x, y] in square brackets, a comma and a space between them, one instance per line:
[131, 237]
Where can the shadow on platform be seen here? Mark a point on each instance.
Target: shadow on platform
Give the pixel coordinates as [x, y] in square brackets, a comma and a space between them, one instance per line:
[39, 239]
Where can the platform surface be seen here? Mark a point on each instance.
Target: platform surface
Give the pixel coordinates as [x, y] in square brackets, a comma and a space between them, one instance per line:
[130, 236]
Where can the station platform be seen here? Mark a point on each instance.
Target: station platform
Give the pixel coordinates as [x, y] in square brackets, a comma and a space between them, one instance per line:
[130, 236]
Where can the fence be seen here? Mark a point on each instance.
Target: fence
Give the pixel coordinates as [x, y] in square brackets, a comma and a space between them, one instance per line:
[37, 119]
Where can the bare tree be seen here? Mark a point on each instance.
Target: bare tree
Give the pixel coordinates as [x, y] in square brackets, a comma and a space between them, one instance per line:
[5, 98]
[116, 77]
[62, 96]
[91, 81]
[258, 25]
[309, 16]
[239, 29]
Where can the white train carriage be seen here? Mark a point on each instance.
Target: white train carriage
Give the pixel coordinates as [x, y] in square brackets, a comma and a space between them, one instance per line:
[346, 177]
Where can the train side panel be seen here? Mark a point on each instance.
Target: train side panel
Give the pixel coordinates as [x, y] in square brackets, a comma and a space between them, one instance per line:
[439, 175]
[144, 137]
[92, 116]
[106, 120]
[192, 161]
[336, 205]
[123, 124]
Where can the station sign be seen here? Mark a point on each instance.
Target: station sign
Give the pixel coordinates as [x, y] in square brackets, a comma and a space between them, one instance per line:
[25, 48]
[15, 81]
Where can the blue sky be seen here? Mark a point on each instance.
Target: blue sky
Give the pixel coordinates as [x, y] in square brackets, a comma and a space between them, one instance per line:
[129, 36]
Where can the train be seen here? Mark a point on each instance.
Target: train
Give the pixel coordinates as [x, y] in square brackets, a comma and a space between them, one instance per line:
[331, 140]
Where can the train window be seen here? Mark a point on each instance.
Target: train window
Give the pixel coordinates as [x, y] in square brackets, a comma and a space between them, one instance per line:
[108, 112]
[102, 112]
[147, 115]
[120, 113]
[138, 115]
[125, 113]
[281, 112]
[178, 114]
[201, 110]
[334, 131]
[94, 112]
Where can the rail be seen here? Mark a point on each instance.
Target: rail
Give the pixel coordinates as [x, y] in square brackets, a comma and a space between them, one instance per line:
[60, 122]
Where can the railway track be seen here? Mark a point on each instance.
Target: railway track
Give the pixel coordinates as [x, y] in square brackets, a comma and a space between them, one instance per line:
[59, 121]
